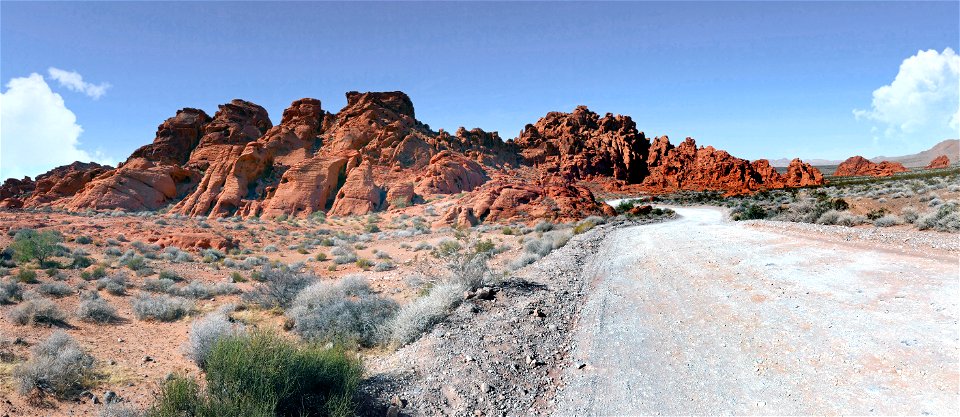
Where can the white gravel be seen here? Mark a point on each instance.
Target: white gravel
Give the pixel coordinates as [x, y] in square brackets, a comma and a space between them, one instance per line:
[705, 316]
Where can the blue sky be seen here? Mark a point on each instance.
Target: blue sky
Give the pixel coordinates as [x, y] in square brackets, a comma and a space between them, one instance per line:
[761, 80]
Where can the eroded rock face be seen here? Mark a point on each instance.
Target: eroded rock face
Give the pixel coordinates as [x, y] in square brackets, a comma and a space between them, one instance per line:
[860, 166]
[197, 241]
[50, 188]
[359, 195]
[13, 191]
[450, 173]
[687, 167]
[801, 174]
[941, 161]
[582, 145]
[153, 175]
[233, 126]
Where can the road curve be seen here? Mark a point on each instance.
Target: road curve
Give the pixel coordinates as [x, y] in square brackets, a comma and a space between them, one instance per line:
[705, 316]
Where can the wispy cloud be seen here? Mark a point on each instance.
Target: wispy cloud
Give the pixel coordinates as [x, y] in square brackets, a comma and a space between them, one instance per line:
[922, 102]
[37, 130]
[74, 82]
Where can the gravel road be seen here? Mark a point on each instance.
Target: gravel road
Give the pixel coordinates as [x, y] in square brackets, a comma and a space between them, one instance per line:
[705, 316]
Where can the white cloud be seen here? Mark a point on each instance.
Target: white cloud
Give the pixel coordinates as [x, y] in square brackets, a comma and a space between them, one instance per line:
[74, 82]
[37, 131]
[923, 101]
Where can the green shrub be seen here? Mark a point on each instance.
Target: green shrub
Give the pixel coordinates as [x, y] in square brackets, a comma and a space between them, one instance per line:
[27, 276]
[583, 227]
[262, 374]
[28, 244]
[364, 263]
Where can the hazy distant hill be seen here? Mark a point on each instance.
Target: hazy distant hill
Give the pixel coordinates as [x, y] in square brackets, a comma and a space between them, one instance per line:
[949, 147]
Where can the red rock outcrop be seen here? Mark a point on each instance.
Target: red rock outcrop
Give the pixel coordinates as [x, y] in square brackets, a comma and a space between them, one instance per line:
[359, 194]
[801, 174]
[687, 167]
[450, 173]
[374, 154]
[858, 166]
[13, 191]
[50, 188]
[152, 176]
[233, 126]
[941, 161]
[582, 145]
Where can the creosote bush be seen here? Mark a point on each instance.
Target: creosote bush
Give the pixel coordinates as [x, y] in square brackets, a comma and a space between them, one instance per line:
[58, 366]
[343, 311]
[262, 374]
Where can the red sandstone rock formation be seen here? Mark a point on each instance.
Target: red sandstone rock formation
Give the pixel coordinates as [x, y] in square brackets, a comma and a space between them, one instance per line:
[374, 154]
[941, 161]
[860, 166]
[51, 187]
[153, 175]
[582, 145]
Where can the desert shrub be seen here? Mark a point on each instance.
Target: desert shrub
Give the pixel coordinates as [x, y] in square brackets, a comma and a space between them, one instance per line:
[909, 215]
[10, 292]
[160, 307]
[28, 244]
[624, 206]
[346, 258]
[887, 221]
[383, 266]
[119, 410]
[83, 240]
[27, 276]
[543, 226]
[583, 227]
[55, 289]
[58, 366]
[422, 314]
[133, 261]
[212, 255]
[321, 257]
[748, 212]
[94, 309]
[169, 275]
[944, 218]
[199, 289]
[278, 286]
[523, 260]
[422, 246]
[176, 255]
[829, 217]
[80, 261]
[262, 374]
[343, 311]
[507, 230]
[849, 219]
[270, 248]
[37, 310]
[161, 285]
[206, 331]
[364, 263]
[115, 284]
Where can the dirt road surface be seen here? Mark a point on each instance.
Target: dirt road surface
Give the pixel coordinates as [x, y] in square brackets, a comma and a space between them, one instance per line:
[706, 316]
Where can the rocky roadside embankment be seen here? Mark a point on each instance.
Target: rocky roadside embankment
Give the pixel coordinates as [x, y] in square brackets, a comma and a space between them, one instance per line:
[497, 357]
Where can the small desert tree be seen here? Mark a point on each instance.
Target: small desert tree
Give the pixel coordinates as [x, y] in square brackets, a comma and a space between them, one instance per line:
[29, 244]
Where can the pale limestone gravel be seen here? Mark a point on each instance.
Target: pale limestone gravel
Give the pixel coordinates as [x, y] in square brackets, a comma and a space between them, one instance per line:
[703, 316]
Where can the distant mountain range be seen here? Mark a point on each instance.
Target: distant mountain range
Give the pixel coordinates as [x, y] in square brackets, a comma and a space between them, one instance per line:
[949, 147]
